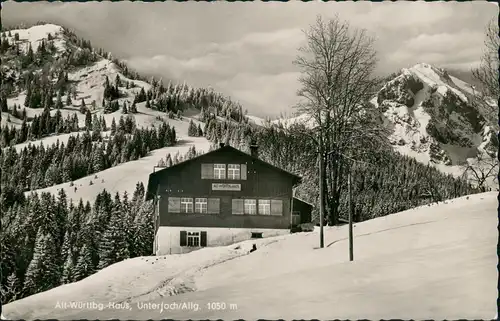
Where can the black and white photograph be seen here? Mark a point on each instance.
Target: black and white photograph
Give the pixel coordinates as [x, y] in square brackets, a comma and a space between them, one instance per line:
[249, 160]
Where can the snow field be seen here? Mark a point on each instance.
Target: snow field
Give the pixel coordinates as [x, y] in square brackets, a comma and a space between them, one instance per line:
[431, 262]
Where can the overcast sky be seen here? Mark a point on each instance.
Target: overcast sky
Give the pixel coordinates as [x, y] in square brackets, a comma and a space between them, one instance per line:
[245, 50]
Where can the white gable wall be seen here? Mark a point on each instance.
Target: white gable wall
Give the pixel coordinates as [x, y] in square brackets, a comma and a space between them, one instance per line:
[168, 237]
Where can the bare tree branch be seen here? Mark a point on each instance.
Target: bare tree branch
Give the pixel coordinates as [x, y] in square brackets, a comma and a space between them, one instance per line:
[487, 73]
[337, 64]
[481, 170]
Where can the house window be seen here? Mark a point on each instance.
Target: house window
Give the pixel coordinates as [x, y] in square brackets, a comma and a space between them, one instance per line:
[193, 239]
[265, 207]
[250, 206]
[277, 207]
[186, 205]
[256, 235]
[201, 205]
[233, 171]
[207, 171]
[238, 206]
[174, 205]
[213, 205]
[219, 171]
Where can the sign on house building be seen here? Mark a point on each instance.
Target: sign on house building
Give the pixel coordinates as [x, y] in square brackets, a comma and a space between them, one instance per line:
[226, 187]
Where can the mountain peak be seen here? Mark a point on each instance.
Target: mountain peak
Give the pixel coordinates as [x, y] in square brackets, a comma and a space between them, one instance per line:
[433, 116]
[39, 31]
[437, 79]
[422, 65]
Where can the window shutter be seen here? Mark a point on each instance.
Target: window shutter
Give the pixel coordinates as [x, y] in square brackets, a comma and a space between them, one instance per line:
[207, 171]
[238, 206]
[276, 207]
[243, 171]
[203, 238]
[174, 204]
[224, 173]
[213, 206]
[183, 238]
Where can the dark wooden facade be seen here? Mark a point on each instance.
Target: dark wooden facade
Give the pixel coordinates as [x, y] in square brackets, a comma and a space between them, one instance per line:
[303, 210]
[258, 180]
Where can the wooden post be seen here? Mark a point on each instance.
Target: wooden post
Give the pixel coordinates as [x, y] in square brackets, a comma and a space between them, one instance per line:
[157, 222]
[321, 198]
[351, 243]
[291, 209]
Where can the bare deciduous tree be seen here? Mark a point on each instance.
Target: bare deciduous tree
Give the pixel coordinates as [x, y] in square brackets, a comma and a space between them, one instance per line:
[487, 72]
[337, 66]
[483, 169]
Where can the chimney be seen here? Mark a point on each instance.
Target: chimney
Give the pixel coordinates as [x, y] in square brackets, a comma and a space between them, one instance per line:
[221, 145]
[254, 150]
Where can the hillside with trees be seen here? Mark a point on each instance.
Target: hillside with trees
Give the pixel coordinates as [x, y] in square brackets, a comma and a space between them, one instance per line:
[385, 182]
[47, 240]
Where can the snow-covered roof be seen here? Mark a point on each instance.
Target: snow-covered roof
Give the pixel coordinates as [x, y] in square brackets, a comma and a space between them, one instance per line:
[299, 199]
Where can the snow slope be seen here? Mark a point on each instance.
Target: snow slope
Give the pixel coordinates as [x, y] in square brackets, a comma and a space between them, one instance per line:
[283, 120]
[433, 262]
[34, 36]
[53, 139]
[145, 117]
[91, 79]
[13, 121]
[302, 119]
[256, 120]
[463, 85]
[90, 87]
[88, 81]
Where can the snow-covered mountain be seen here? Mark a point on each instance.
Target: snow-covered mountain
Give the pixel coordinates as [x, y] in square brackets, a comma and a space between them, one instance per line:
[282, 121]
[436, 118]
[86, 84]
[87, 81]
